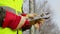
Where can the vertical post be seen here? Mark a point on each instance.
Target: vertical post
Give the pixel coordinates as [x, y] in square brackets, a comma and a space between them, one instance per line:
[32, 10]
[31, 6]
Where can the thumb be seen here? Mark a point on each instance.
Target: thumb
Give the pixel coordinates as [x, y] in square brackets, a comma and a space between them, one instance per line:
[32, 15]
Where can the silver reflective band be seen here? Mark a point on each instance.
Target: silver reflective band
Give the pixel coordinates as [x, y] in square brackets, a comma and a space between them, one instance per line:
[21, 23]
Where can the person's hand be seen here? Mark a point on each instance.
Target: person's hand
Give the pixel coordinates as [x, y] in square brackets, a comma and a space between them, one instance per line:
[39, 23]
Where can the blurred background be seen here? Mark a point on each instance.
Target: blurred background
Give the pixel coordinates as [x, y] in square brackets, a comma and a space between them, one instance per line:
[52, 25]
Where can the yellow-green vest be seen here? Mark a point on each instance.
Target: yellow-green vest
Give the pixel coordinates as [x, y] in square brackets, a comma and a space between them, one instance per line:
[16, 5]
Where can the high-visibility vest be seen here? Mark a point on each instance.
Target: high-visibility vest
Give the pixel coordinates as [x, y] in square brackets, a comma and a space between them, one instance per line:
[16, 5]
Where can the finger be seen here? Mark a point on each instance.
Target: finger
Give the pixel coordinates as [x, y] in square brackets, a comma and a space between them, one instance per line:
[36, 26]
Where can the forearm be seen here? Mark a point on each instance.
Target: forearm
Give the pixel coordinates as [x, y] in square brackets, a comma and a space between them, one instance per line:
[15, 22]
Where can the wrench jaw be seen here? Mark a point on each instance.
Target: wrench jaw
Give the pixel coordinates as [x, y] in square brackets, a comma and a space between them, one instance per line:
[39, 17]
